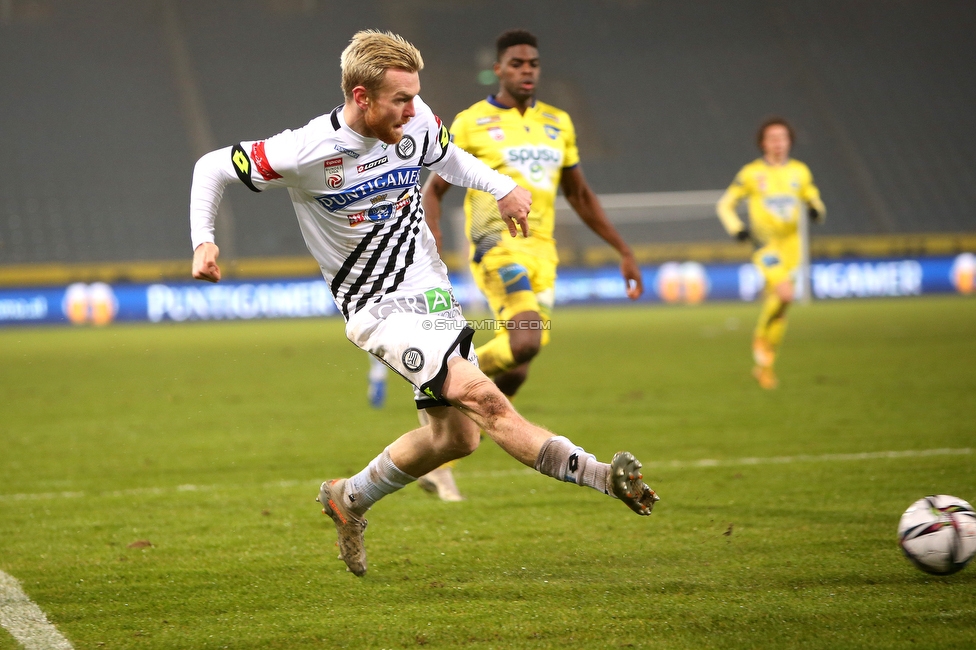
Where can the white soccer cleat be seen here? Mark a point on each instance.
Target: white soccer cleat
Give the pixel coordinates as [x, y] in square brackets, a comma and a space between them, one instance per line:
[349, 527]
[625, 482]
[441, 482]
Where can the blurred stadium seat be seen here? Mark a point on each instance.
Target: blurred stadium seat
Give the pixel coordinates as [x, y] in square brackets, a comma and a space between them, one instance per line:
[99, 144]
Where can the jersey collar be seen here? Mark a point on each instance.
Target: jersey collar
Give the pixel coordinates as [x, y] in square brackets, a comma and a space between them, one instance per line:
[354, 139]
[494, 102]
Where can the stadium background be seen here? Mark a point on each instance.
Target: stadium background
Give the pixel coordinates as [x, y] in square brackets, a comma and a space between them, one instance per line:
[107, 104]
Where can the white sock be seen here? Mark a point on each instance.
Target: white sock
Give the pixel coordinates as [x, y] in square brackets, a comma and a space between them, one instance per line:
[377, 369]
[562, 460]
[378, 479]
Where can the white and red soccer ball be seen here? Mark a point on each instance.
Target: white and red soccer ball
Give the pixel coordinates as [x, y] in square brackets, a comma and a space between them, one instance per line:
[938, 534]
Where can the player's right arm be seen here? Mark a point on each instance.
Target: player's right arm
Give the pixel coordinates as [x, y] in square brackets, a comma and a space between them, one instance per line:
[257, 165]
[726, 208]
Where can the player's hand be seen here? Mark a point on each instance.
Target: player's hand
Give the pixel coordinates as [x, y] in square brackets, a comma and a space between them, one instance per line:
[743, 235]
[514, 208]
[632, 277]
[813, 213]
[205, 262]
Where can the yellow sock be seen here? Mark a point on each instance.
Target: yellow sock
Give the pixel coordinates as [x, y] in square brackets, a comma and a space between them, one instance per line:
[772, 306]
[775, 332]
[495, 356]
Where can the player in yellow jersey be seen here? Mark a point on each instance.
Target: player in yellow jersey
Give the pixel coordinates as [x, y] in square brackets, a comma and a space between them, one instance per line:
[777, 189]
[534, 143]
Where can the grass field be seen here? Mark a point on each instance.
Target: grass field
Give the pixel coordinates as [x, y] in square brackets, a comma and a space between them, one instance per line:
[209, 441]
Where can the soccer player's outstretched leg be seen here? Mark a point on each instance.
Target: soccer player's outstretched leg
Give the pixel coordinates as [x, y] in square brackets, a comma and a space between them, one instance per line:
[476, 404]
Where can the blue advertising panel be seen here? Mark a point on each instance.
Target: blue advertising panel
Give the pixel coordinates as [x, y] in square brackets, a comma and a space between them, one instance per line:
[672, 282]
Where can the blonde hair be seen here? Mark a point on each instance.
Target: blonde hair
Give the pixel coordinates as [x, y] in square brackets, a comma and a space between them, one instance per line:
[370, 54]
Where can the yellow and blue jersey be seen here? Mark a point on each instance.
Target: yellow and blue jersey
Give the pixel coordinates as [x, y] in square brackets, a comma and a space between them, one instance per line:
[775, 194]
[533, 149]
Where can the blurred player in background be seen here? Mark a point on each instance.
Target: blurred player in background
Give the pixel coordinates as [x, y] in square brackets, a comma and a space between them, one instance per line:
[353, 178]
[535, 144]
[777, 188]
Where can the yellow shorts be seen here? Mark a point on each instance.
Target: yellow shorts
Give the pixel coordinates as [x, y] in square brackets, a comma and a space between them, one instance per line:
[516, 282]
[778, 261]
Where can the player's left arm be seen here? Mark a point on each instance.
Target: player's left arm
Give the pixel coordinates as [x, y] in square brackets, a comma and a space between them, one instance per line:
[811, 195]
[584, 201]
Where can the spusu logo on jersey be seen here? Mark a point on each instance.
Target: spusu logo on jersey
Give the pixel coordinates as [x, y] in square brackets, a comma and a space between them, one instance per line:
[402, 178]
[534, 163]
[517, 155]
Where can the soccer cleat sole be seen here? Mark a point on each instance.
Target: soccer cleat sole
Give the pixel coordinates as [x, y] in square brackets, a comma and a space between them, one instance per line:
[349, 528]
[626, 483]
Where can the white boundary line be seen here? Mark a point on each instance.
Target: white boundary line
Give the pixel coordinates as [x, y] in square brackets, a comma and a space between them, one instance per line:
[661, 464]
[25, 621]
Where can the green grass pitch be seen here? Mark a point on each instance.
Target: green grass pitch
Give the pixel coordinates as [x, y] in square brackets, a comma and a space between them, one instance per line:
[209, 441]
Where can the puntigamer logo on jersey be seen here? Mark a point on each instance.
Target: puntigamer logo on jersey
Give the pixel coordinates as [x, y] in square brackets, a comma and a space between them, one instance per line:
[534, 163]
[402, 178]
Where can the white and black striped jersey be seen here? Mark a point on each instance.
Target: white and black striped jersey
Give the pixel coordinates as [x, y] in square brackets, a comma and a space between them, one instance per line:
[357, 199]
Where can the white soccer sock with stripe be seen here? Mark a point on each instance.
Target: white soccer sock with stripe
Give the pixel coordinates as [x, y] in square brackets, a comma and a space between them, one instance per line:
[378, 479]
[561, 459]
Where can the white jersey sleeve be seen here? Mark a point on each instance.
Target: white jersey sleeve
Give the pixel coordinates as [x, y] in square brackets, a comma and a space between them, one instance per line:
[455, 165]
[268, 163]
[259, 165]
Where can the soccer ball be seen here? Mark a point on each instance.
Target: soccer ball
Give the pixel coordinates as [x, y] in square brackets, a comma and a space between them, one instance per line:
[938, 534]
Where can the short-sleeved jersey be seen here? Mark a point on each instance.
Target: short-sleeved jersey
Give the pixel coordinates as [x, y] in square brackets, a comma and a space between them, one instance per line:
[776, 194]
[357, 200]
[533, 148]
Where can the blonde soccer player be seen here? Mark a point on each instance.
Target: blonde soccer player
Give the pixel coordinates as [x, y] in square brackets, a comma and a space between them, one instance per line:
[778, 188]
[353, 178]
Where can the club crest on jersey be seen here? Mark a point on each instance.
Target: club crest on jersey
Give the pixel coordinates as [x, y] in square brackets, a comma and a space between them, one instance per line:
[406, 147]
[381, 209]
[496, 133]
[348, 152]
[333, 173]
[371, 164]
[413, 359]
[551, 131]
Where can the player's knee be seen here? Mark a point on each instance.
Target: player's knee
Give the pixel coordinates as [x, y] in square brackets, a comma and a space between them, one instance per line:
[524, 348]
[457, 442]
[784, 290]
[511, 380]
[467, 442]
[484, 398]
